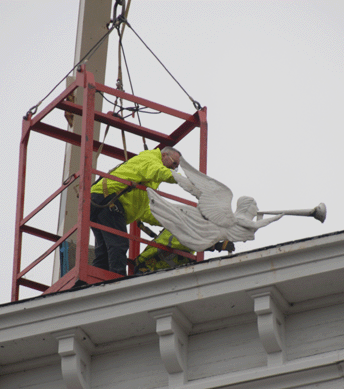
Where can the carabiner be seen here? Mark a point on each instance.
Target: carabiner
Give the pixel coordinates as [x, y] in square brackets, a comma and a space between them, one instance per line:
[31, 111]
[117, 20]
[197, 105]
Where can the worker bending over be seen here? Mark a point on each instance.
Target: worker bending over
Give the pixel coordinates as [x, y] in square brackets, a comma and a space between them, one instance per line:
[149, 168]
[153, 259]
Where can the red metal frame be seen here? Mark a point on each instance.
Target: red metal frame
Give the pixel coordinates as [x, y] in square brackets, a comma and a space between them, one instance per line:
[82, 271]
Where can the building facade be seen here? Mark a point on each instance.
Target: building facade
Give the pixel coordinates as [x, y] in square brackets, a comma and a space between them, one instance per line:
[271, 318]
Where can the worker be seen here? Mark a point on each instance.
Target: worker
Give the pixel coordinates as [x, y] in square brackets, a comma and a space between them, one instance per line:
[153, 258]
[114, 204]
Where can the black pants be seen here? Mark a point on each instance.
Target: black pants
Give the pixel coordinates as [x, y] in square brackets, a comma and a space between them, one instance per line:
[110, 249]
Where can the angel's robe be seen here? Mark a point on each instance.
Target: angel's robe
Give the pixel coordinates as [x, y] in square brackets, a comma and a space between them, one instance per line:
[192, 229]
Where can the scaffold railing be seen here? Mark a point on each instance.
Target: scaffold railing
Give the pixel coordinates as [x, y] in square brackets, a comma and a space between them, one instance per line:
[82, 271]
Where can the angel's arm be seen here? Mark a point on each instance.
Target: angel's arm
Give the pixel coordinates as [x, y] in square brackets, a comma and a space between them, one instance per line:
[267, 221]
[257, 224]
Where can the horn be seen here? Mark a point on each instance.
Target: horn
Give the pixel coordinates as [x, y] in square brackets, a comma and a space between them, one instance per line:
[319, 212]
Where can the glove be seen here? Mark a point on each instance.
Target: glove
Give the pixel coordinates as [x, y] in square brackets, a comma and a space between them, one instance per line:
[225, 245]
[146, 229]
[220, 246]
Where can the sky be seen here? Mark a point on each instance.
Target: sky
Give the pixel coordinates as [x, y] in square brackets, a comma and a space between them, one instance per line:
[270, 73]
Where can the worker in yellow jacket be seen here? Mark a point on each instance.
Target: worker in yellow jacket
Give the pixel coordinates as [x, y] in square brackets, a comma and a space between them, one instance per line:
[149, 168]
[153, 259]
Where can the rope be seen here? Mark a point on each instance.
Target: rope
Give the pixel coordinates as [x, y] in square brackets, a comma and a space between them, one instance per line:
[132, 90]
[119, 78]
[137, 108]
[116, 22]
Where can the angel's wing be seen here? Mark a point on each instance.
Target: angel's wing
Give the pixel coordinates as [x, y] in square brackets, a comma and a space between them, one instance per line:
[215, 198]
[186, 184]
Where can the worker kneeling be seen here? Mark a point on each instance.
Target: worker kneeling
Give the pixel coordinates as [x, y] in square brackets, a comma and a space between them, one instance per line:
[154, 259]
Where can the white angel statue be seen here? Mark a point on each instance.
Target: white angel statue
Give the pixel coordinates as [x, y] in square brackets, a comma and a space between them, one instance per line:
[213, 219]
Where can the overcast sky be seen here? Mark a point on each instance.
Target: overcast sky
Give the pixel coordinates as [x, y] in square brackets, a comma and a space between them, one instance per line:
[269, 72]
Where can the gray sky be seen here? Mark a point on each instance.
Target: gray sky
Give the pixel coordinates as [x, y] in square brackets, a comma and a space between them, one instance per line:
[270, 73]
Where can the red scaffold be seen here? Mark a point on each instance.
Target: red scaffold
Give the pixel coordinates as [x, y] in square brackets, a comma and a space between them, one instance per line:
[82, 271]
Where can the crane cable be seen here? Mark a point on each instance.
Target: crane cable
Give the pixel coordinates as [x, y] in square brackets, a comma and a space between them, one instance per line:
[116, 22]
[196, 104]
[83, 60]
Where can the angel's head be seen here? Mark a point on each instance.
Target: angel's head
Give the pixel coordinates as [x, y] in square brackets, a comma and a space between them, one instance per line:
[247, 207]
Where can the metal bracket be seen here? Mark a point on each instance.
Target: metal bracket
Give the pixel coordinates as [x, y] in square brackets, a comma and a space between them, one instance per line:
[74, 347]
[173, 328]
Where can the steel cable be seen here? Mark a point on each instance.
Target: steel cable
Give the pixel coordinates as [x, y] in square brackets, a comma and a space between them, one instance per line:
[86, 57]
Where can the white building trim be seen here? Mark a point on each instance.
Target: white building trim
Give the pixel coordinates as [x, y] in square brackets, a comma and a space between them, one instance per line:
[271, 318]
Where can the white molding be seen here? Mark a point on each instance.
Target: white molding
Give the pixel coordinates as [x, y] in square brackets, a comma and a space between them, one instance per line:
[35, 363]
[316, 303]
[173, 328]
[299, 372]
[74, 348]
[209, 278]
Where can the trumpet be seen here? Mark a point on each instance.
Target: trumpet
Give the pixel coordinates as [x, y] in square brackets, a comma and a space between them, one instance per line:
[318, 212]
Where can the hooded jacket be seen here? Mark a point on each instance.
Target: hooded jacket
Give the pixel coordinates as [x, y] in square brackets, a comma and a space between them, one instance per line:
[146, 169]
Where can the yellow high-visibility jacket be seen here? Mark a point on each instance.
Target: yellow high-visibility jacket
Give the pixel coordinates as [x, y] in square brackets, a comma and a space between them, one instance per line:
[147, 169]
[153, 259]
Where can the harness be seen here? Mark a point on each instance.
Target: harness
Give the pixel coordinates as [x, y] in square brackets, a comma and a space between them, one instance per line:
[111, 202]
